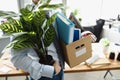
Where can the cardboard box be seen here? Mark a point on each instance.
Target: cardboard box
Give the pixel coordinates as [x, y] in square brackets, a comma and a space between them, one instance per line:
[78, 51]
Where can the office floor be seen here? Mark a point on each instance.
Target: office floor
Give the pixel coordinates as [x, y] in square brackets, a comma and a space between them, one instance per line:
[97, 75]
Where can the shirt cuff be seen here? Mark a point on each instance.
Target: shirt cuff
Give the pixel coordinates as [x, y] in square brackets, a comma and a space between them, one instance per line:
[48, 71]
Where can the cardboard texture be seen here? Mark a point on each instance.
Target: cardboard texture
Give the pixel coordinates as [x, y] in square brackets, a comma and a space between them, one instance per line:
[78, 51]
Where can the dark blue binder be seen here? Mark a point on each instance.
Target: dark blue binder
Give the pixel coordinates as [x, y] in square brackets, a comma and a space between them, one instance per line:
[77, 34]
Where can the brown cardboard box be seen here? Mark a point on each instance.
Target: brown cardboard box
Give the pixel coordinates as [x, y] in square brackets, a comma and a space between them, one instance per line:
[78, 51]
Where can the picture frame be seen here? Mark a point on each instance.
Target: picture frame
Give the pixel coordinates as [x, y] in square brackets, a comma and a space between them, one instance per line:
[75, 21]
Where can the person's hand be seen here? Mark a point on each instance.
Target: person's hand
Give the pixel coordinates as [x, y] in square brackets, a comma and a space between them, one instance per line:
[57, 67]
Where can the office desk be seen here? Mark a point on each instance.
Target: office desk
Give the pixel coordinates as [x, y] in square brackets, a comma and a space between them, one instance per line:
[12, 72]
[115, 65]
[6, 64]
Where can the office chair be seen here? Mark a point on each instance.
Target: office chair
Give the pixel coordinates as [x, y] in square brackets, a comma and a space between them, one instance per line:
[98, 29]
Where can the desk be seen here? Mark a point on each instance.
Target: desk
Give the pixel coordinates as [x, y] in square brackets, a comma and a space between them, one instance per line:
[6, 63]
[12, 72]
[115, 65]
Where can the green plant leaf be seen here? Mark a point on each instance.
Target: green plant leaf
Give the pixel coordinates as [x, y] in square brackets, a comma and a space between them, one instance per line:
[24, 41]
[50, 21]
[6, 14]
[26, 19]
[9, 28]
[38, 21]
[22, 45]
[45, 1]
[25, 11]
[37, 29]
[15, 22]
[39, 18]
[50, 7]
[27, 25]
[49, 36]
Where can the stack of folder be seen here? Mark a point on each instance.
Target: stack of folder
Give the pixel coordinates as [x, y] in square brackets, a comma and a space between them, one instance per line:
[66, 29]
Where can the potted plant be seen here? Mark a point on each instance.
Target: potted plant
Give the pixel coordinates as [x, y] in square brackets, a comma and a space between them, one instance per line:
[105, 44]
[35, 30]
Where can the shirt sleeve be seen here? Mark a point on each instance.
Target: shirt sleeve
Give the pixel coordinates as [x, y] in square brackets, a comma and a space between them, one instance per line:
[21, 60]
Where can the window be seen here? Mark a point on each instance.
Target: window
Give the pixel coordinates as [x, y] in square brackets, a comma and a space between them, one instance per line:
[30, 1]
[56, 1]
[23, 3]
[91, 10]
[110, 9]
[9, 5]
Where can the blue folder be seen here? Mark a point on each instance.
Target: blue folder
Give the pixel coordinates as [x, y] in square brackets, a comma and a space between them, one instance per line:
[65, 28]
[77, 34]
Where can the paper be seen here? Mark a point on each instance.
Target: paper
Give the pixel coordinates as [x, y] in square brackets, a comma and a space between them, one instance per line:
[95, 61]
[97, 49]
[100, 63]
[81, 52]
[92, 59]
[98, 58]
[8, 64]
[5, 69]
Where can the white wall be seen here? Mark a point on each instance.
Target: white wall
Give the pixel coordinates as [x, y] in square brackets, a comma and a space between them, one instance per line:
[9, 5]
[91, 10]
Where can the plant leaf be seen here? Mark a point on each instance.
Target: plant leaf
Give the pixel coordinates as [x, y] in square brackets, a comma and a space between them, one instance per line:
[39, 18]
[15, 22]
[49, 36]
[24, 41]
[25, 11]
[22, 45]
[9, 28]
[26, 19]
[50, 21]
[45, 1]
[50, 7]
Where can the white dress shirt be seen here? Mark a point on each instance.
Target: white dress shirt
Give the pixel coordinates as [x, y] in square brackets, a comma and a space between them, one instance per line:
[28, 61]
